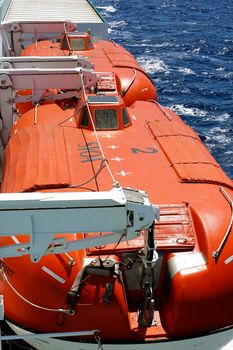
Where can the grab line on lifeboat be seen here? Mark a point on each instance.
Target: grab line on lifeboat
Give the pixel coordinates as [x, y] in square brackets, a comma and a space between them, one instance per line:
[69, 312]
[217, 252]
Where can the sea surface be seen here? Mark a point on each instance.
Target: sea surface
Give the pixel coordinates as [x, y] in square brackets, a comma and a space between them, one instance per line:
[187, 48]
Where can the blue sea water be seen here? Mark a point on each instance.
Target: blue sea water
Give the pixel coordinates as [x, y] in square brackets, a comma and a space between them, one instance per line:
[187, 48]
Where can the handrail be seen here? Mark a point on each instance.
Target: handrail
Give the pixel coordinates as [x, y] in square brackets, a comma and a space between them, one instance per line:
[217, 252]
[162, 109]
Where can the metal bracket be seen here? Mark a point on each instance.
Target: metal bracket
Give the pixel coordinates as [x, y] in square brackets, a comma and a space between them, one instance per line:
[37, 80]
[17, 33]
[146, 313]
[45, 62]
[42, 215]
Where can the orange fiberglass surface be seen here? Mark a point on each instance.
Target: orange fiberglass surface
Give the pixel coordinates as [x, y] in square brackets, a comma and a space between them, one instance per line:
[187, 289]
[133, 83]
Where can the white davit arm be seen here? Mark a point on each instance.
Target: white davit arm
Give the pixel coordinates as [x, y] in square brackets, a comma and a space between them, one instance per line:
[42, 215]
[38, 80]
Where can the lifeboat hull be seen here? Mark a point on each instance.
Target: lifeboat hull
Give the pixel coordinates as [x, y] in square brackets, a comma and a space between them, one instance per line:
[165, 288]
[133, 82]
[187, 291]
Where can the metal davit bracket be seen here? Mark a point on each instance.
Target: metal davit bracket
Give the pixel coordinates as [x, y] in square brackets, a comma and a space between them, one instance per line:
[42, 215]
[38, 80]
[45, 62]
[17, 34]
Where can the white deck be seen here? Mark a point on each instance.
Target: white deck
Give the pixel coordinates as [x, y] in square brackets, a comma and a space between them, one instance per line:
[76, 11]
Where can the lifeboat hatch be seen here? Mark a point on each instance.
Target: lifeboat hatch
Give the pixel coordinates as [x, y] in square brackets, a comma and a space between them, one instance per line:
[107, 82]
[104, 112]
[174, 232]
[188, 157]
[103, 99]
[38, 149]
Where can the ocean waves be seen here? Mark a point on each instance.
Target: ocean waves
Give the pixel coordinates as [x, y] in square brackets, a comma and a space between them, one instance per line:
[187, 48]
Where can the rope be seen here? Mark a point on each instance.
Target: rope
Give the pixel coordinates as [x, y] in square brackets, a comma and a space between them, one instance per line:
[68, 118]
[66, 311]
[35, 113]
[116, 245]
[131, 83]
[98, 341]
[65, 32]
[102, 166]
[115, 182]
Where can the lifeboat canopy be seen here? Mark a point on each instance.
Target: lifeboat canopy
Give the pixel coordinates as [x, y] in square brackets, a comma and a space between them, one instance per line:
[103, 112]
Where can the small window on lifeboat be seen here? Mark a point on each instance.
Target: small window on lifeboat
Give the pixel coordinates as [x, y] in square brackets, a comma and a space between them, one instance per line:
[106, 119]
[125, 117]
[77, 44]
[76, 41]
[85, 119]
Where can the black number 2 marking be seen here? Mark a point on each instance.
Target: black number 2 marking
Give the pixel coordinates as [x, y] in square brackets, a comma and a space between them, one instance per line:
[149, 150]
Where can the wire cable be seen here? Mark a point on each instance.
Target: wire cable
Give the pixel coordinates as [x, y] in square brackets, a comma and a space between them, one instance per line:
[66, 311]
[115, 182]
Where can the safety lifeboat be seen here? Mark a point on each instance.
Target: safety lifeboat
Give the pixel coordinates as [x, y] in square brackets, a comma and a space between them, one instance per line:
[107, 56]
[116, 221]
[173, 279]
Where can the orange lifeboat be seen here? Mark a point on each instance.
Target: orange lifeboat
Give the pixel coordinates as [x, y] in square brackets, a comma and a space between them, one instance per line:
[175, 284]
[168, 284]
[133, 83]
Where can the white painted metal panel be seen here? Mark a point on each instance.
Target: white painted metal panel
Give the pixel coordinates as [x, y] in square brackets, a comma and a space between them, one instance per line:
[76, 11]
[123, 212]
[222, 340]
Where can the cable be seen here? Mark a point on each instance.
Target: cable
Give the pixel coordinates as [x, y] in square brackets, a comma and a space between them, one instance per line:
[71, 116]
[67, 40]
[102, 166]
[115, 182]
[116, 245]
[131, 83]
[66, 311]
